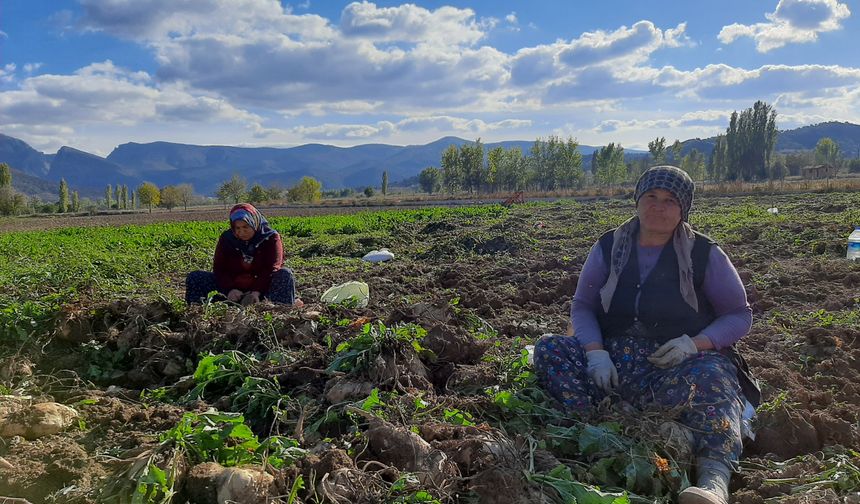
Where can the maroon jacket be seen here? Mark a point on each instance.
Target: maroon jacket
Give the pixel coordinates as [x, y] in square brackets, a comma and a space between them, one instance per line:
[232, 272]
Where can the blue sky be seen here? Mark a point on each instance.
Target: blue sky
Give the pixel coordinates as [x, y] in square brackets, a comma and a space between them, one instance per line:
[93, 74]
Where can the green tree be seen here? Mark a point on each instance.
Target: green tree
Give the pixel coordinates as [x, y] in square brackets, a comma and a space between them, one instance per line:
[452, 169]
[430, 179]
[257, 194]
[472, 159]
[170, 197]
[677, 147]
[750, 140]
[275, 191]
[186, 194]
[608, 166]
[118, 196]
[308, 189]
[11, 201]
[511, 174]
[109, 196]
[76, 202]
[718, 159]
[233, 189]
[149, 195]
[5, 175]
[384, 183]
[368, 191]
[694, 164]
[64, 196]
[657, 148]
[134, 199]
[125, 202]
[827, 152]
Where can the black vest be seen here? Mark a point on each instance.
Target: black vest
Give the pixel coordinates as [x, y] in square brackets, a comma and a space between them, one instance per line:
[663, 313]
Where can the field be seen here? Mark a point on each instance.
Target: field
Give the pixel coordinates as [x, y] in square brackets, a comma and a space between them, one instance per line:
[426, 394]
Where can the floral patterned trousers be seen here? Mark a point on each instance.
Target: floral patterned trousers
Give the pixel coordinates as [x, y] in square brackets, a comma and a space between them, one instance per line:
[703, 388]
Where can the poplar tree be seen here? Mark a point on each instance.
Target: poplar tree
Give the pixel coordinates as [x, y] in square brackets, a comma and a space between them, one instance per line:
[64, 196]
[5, 175]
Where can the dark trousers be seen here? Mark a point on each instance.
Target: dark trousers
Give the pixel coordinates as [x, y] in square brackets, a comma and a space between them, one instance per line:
[198, 285]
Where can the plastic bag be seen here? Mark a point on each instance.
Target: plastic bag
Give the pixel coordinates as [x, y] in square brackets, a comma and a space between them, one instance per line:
[380, 255]
[359, 291]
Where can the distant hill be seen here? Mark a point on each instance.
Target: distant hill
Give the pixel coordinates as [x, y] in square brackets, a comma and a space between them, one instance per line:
[205, 167]
[846, 135]
[34, 186]
[20, 156]
[89, 172]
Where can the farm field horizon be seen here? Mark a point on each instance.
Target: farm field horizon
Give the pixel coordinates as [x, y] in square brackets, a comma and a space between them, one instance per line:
[323, 398]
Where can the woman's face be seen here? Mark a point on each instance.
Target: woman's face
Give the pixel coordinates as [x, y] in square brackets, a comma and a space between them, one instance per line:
[243, 231]
[659, 211]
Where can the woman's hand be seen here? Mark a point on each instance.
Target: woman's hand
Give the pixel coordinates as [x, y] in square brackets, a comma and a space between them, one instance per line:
[234, 295]
[251, 298]
[674, 352]
[601, 370]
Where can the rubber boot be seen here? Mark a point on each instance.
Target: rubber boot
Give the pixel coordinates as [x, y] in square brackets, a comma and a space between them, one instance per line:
[712, 485]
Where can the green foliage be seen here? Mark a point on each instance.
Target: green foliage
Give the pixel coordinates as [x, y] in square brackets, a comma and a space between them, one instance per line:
[226, 439]
[5, 175]
[258, 194]
[64, 196]
[384, 186]
[657, 149]
[232, 190]
[149, 195]
[357, 353]
[221, 372]
[170, 197]
[198, 437]
[827, 152]
[607, 165]
[569, 490]
[430, 180]
[307, 190]
[750, 140]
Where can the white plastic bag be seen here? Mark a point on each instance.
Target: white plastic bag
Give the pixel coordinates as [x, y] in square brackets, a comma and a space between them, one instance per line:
[359, 291]
[380, 255]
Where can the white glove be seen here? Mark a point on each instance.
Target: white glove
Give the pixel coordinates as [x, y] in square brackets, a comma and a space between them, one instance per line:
[601, 370]
[674, 352]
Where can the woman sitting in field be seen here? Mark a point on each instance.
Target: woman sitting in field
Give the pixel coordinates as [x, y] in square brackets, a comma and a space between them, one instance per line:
[656, 313]
[248, 264]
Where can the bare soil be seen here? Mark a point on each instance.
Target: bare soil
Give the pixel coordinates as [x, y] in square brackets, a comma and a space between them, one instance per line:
[515, 276]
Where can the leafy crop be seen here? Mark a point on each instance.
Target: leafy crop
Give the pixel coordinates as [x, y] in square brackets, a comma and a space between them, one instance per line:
[358, 352]
[151, 478]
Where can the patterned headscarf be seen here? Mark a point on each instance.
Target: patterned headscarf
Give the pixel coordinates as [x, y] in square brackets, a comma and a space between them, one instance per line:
[681, 186]
[262, 232]
[672, 179]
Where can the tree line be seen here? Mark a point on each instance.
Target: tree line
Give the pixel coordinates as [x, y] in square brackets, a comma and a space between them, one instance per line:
[745, 152]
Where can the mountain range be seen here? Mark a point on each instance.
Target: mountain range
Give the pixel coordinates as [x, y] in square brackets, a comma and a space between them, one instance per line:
[206, 167]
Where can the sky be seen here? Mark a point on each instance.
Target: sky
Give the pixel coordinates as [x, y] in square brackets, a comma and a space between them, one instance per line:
[94, 74]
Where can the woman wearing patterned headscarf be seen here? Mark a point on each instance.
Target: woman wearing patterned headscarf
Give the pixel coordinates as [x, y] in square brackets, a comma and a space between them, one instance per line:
[656, 313]
[248, 264]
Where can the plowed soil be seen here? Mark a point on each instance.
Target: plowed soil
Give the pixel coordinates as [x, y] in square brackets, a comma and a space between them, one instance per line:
[483, 291]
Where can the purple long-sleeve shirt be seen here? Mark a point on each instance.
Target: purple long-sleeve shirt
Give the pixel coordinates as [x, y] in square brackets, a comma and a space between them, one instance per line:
[722, 286]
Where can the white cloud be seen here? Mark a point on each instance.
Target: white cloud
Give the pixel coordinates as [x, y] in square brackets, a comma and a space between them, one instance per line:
[511, 18]
[7, 72]
[411, 23]
[436, 124]
[633, 44]
[31, 67]
[793, 21]
[103, 93]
